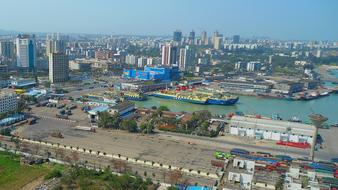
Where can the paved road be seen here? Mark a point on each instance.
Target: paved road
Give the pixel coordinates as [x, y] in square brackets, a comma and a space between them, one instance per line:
[228, 144]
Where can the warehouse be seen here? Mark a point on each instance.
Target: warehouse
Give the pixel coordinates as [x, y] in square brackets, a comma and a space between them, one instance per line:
[276, 130]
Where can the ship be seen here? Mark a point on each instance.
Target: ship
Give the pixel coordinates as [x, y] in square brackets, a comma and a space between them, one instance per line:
[197, 97]
[217, 97]
[136, 96]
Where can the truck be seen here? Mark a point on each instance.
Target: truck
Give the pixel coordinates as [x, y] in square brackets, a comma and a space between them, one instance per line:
[284, 158]
[69, 112]
[31, 121]
[72, 106]
[222, 155]
[62, 116]
[60, 106]
[61, 112]
[84, 128]
[57, 134]
[42, 103]
[238, 151]
[86, 109]
[217, 163]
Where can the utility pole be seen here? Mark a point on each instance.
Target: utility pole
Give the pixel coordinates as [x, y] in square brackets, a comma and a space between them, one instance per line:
[317, 121]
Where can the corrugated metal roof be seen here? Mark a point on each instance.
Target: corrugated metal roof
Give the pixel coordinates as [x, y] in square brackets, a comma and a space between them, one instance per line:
[273, 125]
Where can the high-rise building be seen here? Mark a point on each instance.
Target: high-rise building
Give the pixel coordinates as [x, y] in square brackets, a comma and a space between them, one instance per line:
[191, 37]
[218, 42]
[131, 59]
[318, 53]
[104, 54]
[236, 39]
[150, 61]
[169, 55]
[3, 70]
[55, 43]
[204, 38]
[216, 34]
[26, 52]
[8, 101]
[58, 67]
[141, 62]
[270, 59]
[253, 66]
[186, 60]
[177, 36]
[7, 49]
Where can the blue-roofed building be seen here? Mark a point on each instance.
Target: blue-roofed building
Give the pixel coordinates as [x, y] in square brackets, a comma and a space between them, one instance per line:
[123, 109]
[39, 94]
[94, 113]
[97, 110]
[23, 83]
[152, 73]
[12, 119]
[197, 188]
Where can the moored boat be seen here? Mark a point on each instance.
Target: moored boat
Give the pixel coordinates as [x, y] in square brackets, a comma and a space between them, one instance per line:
[136, 96]
[197, 97]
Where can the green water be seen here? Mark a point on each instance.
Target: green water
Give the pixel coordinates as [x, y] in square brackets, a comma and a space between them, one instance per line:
[328, 106]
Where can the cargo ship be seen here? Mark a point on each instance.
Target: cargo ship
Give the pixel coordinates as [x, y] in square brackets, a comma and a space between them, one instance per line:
[197, 97]
[136, 96]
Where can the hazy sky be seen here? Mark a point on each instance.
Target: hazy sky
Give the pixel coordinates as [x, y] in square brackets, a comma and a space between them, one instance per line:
[283, 19]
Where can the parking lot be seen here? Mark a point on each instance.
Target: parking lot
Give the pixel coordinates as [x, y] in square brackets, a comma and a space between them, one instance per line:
[50, 112]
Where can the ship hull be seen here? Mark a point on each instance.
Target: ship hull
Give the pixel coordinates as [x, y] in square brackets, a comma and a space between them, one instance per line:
[164, 96]
[228, 102]
[135, 98]
[191, 101]
[210, 101]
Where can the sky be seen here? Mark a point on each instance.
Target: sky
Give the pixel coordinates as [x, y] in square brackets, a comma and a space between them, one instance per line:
[278, 19]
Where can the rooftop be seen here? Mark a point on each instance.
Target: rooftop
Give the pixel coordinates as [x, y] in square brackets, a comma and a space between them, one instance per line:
[123, 105]
[95, 110]
[275, 125]
[10, 119]
[6, 92]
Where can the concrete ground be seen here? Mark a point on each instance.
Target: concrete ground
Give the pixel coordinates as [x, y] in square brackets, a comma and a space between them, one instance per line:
[145, 147]
[330, 148]
[168, 148]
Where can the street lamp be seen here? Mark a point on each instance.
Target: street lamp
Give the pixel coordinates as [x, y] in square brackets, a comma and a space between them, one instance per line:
[317, 120]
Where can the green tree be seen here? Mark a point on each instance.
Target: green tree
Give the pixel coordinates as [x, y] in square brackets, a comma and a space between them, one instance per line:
[22, 105]
[147, 127]
[172, 188]
[163, 108]
[108, 121]
[129, 125]
[5, 132]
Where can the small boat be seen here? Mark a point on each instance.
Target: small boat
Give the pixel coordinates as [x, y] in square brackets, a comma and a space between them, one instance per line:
[295, 119]
[334, 125]
[324, 93]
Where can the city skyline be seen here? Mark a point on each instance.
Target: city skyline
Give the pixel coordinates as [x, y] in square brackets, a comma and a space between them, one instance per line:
[287, 20]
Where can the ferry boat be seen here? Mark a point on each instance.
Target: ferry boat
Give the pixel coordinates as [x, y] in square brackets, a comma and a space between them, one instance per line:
[223, 100]
[136, 96]
[196, 97]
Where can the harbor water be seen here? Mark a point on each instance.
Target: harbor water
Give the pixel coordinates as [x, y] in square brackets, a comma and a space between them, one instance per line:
[327, 106]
